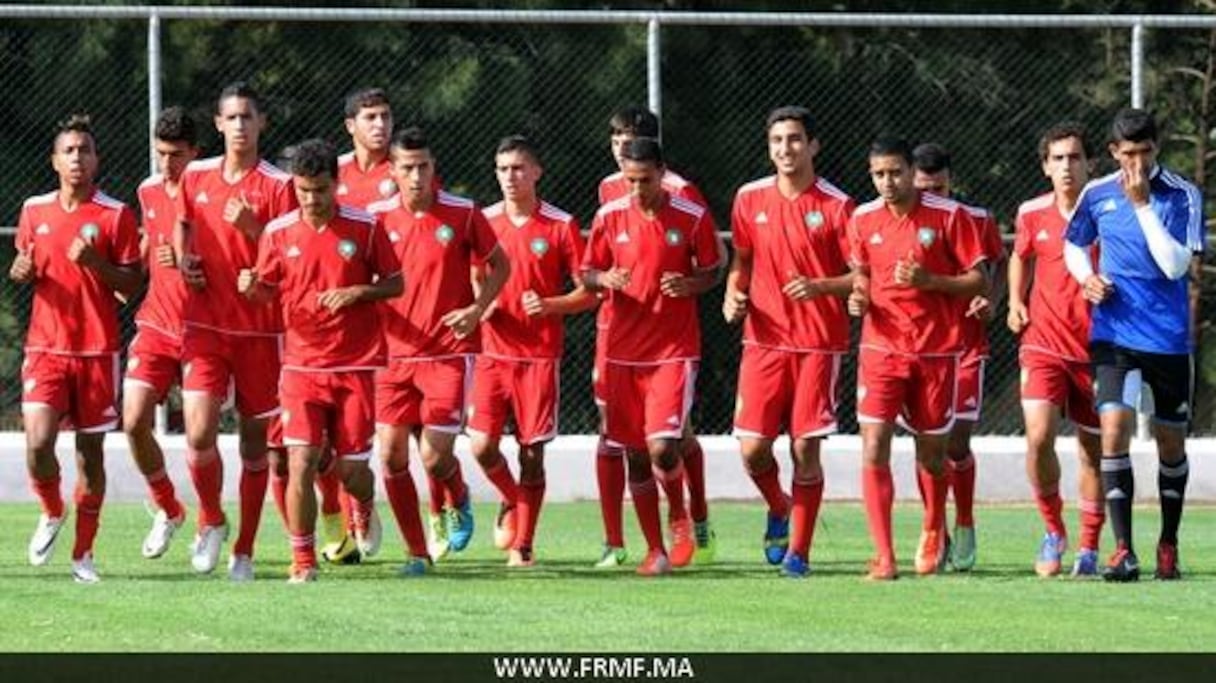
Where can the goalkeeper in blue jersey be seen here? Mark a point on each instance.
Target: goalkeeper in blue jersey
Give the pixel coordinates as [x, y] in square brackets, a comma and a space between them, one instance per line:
[1148, 224]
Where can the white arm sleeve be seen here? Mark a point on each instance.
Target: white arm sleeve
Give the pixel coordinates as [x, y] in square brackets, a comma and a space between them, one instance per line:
[1078, 263]
[1172, 258]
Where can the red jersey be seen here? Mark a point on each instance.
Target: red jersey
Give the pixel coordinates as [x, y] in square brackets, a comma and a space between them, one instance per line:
[648, 326]
[544, 251]
[975, 330]
[941, 236]
[360, 188]
[74, 313]
[162, 306]
[1059, 314]
[805, 235]
[436, 248]
[223, 248]
[302, 262]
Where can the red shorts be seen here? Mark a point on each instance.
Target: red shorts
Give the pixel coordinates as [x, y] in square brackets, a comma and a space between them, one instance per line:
[154, 361]
[969, 394]
[794, 390]
[526, 388]
[214, 363]
[599, 370]
[274, 428]
[429, 392]
[916, 391]
[337, 404]
[81, 389]
[1065, 383]
[649, 401]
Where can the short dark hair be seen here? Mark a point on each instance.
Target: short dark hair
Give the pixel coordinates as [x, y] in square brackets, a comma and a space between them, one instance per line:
[176, 125]
[931, 157]
[643, 150]
[1062, 131]
[891, 146]
[517, 143]
[74, 123]
[242, 90]
[1133, 125]
[362, 99]
[410, 138]
[314, 157]
[792, 113]
[634, 120]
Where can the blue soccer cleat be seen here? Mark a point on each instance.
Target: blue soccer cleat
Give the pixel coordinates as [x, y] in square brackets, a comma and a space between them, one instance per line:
[1086, 564]
[1051, 555]
[795, 566]
[460, 526]
[776, 539]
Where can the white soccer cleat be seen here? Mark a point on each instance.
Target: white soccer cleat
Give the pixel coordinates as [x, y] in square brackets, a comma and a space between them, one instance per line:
[205, 553]
[156, 543]
[240, 568]
[369, 539]
[437, 543]
[42, 543]
[83, 570]
[298, 576]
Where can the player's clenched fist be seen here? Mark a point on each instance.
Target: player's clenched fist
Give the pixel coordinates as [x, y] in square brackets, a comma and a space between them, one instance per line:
[734, 306]
[246, 281]
[22, 269]
[859, 298]
[1097, 289]
[533, 303]
[1018, 318]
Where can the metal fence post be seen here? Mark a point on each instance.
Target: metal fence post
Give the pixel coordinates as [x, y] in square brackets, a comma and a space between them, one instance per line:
[154, 107]
[1138, 65]
[654, 67]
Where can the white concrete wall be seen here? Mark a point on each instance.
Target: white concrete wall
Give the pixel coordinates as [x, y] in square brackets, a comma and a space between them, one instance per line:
[571, 470]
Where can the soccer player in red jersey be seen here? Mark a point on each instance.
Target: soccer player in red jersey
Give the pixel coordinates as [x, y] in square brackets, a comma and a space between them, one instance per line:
[933, 175]
[432, 332]
[625, 125]
[1054, 352]
[518, 371]
[788, 282]
[363, 173]
[78, 248]
[154, 359]
[230, 342]
[915, 255]
[653, 254]
[328, 264]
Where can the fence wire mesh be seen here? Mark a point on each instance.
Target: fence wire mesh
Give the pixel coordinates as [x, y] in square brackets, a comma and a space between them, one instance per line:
[984, 93]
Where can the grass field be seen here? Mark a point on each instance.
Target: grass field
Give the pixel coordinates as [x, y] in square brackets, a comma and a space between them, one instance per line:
[471, 603]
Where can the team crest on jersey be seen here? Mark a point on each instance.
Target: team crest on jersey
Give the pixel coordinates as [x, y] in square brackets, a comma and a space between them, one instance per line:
[89, 231]
[813, 219]
[926, 236]
[539, 246]
[444, 234]
[386, 187]
[673, 237]
[346, 249]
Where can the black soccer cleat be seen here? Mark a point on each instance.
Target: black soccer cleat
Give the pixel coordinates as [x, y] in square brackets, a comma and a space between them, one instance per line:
[1122, 566]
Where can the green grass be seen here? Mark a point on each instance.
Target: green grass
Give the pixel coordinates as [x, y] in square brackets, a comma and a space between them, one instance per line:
[472, 603]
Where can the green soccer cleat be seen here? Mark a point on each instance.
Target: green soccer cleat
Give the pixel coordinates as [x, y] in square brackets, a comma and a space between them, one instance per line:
[437, 543]
[707, 543]
[612, 558]
[962, 555]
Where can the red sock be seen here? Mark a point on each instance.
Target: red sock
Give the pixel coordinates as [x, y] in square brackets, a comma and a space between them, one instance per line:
[350, 505]
[329, 483]
[500, 476]
[1050, 507]
[694, 475]
[403, 498]
[878, 495]
[673, 485]
[962, 482]
[453, 484]
[646, 504]
[278, 489]
[88, 518]
[769, 483]
[255, 475]
[361, 511]
[438, 494]
[936, 488]
[1093, 516]
[610, 476]
[527, 510]
[303, 551]
[803, 513]
[164, 495]
[207, 473]
[48, 493]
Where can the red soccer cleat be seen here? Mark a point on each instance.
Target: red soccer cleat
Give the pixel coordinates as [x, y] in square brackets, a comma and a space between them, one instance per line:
[683, 545]
[655, 564]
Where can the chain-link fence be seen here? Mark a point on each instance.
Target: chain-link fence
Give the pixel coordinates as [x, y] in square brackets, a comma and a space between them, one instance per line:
[984, 92]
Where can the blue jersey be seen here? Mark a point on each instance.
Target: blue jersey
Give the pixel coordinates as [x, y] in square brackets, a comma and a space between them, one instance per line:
[1148, 311]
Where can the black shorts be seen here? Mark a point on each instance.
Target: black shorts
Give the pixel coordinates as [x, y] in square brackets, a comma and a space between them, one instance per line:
[1120, 371]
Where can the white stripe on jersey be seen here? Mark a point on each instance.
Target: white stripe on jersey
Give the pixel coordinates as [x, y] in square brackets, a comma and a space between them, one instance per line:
[1037, 204]
[758, 184]
[40, 199]
[448, 199]
[825, 186]
[690, 208]
[552, 212]
[281, 222]
[493, 210]
[870, 207]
